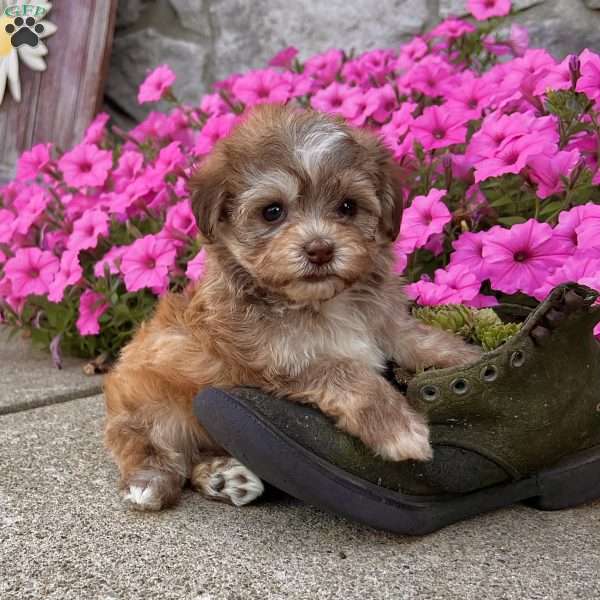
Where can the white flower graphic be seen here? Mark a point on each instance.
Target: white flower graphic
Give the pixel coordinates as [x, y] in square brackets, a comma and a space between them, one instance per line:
[32, 56]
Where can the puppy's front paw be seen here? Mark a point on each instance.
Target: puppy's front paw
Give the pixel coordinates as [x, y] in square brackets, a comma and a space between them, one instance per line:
[407, 441]
[150, 490]
[140, 497]
[227, 480]
[463, 354]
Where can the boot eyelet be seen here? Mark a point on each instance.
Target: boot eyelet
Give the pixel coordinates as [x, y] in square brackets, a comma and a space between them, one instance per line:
[489, 373]
[460, 386]
[430, 393]
[517, 359]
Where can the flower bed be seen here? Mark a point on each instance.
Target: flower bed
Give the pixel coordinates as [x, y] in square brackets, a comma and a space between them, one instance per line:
[498, 145]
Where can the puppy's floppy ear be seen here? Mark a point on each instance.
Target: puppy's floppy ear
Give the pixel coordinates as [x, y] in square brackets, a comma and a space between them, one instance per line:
[387, 176]
[392, 199]
[209, 195]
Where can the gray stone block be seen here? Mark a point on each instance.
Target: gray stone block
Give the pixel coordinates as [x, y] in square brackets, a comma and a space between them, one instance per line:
[565, 27]
[29, 379]
[66, 536]
[593, 4]
[249, 33]
[128, 12]
[193, 14]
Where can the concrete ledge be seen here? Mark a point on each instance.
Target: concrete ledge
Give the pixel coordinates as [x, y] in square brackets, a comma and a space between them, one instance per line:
[28, 378]
[64, 535]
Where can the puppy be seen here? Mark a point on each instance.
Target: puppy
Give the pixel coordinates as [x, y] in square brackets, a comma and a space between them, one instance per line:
[298, 213]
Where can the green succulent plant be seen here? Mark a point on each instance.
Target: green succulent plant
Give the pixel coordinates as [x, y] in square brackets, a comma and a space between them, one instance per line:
[478, 326]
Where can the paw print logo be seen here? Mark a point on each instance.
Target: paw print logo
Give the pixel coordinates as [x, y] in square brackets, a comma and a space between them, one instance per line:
[24, 32]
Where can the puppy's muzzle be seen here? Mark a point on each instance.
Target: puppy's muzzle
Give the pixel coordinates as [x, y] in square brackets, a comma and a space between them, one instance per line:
[319, 251]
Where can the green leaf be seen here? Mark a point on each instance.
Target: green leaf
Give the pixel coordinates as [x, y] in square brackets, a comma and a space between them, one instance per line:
[509, 221]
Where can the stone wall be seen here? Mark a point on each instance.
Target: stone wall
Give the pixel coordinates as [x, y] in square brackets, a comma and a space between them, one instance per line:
[205, 40]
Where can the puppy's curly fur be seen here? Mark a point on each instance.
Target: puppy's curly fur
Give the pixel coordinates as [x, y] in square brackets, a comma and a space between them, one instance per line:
[299, 213]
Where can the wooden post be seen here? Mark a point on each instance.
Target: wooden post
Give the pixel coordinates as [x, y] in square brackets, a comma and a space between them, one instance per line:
[58, 104]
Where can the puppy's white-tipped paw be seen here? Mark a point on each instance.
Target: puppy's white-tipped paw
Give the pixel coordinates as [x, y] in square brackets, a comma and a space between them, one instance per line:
[231, 482]
[409, 444]
[145, 498]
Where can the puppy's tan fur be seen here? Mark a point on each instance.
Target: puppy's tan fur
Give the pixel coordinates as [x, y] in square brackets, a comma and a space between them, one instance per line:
[265, 316]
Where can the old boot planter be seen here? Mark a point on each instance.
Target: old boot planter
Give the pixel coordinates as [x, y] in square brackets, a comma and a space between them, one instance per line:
[521, 424]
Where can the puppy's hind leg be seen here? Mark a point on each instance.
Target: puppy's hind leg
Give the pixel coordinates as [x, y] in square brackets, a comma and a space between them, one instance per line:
[225, 479]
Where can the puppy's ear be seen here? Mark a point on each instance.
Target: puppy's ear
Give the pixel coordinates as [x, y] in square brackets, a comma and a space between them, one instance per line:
[209, 195]
[392, 199]
[387, 176]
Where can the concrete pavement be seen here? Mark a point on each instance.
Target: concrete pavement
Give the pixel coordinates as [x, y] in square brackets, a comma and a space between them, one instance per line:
[65, 535]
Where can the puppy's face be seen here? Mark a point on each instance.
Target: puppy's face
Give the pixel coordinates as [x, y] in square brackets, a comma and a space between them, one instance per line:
[301, 201]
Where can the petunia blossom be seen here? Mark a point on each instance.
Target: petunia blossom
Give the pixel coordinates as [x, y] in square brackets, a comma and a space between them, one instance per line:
[86, 165]
[92, 306]
[156, 84]
[69, 273]
[32, 162]
[146, 263]
[439, 127]
[197, 266]
[486, 9]
[88, 229]
[31, 271]
[426, 216]
[522, 257]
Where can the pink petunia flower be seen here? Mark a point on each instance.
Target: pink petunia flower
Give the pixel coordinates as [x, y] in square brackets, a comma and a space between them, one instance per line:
[284, 58]
[396, 133]
[331, 99]
[92, 306]
[583, 267]
[358, 107]
[468, 95]
[428, 76]
[87, 230]
[438, 127]
[180, 222]
[324, 67]
[146, 263]
[262, 87]
[452, 29]
[548, 171]
[95, 132]
[586, 216]
[216, 128]
[130, 165]
[383, 102]
[196, 266]
[411, 53]
[486, 9]
[427, 215]
[31, 271]
[588, 232]
[69, 273]
[522, 257]
[156, 84]
[111, 261]
[85, 166]
[429, 293]
[468, 251]
[461, 280]
[589, 82]
[513, 157]
[32, 162]
[557, 78]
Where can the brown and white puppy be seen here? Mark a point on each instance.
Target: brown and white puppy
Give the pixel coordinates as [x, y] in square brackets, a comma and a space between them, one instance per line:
[299, 213]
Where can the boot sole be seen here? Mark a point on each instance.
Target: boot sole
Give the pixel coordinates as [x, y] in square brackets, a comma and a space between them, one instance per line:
[281, 461]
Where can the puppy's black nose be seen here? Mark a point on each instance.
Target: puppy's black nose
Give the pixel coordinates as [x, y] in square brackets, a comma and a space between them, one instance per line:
[319, 251]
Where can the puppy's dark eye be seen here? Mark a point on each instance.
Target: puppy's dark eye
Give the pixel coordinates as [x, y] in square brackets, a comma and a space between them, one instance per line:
[348, 208]
[272, 213]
